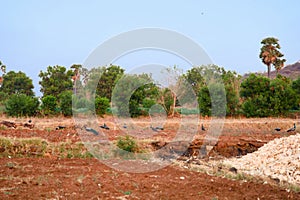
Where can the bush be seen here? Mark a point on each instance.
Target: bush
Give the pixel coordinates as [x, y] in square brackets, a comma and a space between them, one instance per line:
[127, 144]
[49, 104]
[101, 105]
[19, 105]
[65, 99]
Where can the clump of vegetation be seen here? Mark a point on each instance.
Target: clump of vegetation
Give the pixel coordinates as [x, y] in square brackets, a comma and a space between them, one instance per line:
[128, 144]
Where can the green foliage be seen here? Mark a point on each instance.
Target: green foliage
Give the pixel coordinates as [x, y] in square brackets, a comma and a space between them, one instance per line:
[127, 143]
[17, 83]
[101, 105]
[255, 90]
[49, 105]
[19, 105]
[296, 88]
[108, 80]
[65, 103]
[264, 97]
[282, 96]
[204, 101]
[129, 93]
[56, 80]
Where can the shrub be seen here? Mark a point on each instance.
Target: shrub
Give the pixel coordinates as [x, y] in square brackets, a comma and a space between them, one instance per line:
[101, 105]
[49, 104]
[65, 99]
[19, 105]
[127, 143]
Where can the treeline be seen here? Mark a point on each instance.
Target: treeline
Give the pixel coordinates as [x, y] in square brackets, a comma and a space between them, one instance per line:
[66, 90]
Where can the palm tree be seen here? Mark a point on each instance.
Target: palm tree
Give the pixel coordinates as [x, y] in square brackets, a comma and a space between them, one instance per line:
[270, 54]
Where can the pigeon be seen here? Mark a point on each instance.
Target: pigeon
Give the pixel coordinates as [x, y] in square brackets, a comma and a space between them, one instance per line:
[292, 129]
[104, 126]
[154, 129]
[202, 128]
[124, 126]
[277, 129]
[60, 127]
[91, 130]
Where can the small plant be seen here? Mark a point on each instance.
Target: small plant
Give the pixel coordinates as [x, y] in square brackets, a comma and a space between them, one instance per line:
[127, 144]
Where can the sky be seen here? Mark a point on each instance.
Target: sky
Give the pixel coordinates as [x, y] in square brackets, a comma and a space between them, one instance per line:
[36, 34]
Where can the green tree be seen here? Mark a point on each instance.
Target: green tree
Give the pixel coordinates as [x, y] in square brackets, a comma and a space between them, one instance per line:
[101, 105]
[109, 77]
[19, 105]
[17, 83]
[201, 77]
[49, 105]
[255, 93]
[296, 88]
[65, 103]
[282, 96]
[270, 54]
[56, 80]
[129, 93]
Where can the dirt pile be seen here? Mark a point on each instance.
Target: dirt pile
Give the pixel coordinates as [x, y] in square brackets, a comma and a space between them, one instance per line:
[279, 159]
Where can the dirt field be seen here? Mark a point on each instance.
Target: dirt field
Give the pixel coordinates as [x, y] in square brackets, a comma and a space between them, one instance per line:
[54, 177]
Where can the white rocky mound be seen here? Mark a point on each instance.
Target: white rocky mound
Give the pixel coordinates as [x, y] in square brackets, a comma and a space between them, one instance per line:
[280, 158]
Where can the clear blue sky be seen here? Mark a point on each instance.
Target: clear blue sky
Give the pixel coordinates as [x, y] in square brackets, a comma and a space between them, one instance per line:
[35, 34]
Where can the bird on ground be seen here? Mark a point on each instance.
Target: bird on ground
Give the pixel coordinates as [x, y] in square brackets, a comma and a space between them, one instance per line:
[292, 129]
[104, 126]
[202, 128]
[60, 127]
[29, 121]
[277, 129]
[125, 125]
[159, 128]
[91, 130]
[153, 128]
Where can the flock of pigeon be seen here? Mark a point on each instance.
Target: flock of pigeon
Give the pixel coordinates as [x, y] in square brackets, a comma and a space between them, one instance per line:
[104, 126]
[289, 130]
[159, 128]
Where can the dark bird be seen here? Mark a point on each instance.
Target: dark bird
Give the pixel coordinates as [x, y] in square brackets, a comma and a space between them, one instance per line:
[60, 127]
[104, 126]
[153, 129]
[202, 128]
[29, 121]
[292, 129]
[233, 169]
[277, 129]
[91, 130]
[159, 128]
[124, 126]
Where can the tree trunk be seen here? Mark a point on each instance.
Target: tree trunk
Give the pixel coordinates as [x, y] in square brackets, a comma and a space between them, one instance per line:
[174, 104]
[269, 69]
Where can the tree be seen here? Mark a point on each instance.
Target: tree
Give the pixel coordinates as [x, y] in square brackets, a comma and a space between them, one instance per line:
[109, 77]
[49, 105]
[296, 88]
[3, 69]
[65, 103]
[19, 105]
[282, 96]
[101, 105]
[56, 80]
[17, 83]
[255, 93]
[270, 54]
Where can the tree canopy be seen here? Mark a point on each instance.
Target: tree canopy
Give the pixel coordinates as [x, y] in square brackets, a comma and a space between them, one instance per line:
[56, 80]
[17, 83]
[270, 54]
